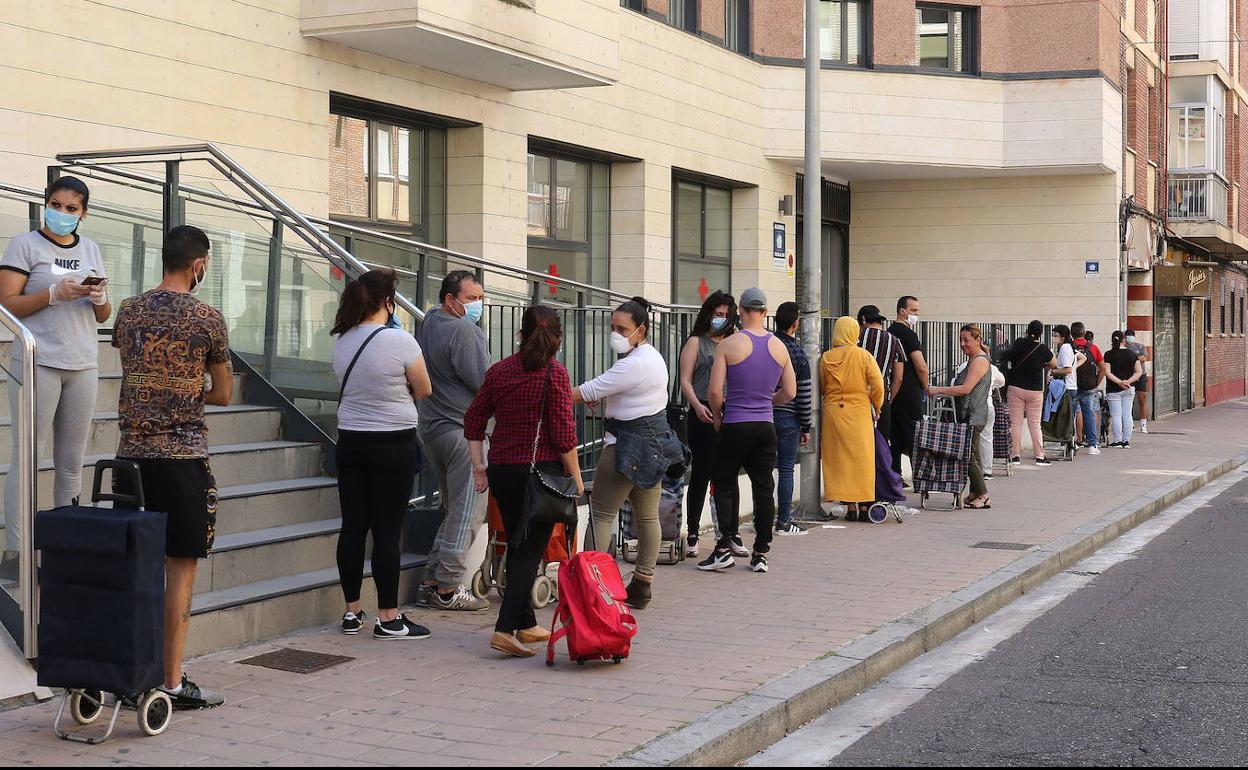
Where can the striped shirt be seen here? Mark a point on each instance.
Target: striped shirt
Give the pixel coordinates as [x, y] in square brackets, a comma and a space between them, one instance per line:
[886, 349]
[799, 406]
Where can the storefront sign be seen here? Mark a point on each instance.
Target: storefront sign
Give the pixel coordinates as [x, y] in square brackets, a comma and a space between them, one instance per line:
[1176, 281]
[1092, 269]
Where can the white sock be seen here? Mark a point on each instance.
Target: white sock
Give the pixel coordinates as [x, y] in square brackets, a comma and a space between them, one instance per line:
[174, 690]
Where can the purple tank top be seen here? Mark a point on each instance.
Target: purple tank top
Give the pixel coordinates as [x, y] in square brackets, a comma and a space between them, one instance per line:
[752, 383]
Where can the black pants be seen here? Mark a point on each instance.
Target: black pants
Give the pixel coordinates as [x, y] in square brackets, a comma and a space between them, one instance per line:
[749, 445]
[376, 474]
[904, 416]
[702, 439]
[507, 483]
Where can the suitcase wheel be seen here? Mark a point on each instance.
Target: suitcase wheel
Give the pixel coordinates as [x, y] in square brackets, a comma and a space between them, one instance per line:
[155, 713]
[550, 664]
[580, 661]
[85, 706]
[618, 659]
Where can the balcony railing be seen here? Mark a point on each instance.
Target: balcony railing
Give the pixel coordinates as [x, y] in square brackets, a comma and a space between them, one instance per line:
[1197, 199]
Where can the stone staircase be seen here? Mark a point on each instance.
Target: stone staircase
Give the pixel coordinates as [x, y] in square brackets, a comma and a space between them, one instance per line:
[273, 568]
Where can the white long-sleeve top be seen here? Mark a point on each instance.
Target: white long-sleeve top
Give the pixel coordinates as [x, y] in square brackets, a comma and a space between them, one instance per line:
[636, 386]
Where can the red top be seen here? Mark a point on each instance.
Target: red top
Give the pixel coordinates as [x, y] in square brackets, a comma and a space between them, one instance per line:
[1089, 349]
[512, 396]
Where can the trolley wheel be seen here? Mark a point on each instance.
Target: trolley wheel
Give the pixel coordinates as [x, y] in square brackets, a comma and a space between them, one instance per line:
[85, 706]
[543, 590]
[618, 659]
[500, 577]
[878, 513]
[155, 713]
[480, 586]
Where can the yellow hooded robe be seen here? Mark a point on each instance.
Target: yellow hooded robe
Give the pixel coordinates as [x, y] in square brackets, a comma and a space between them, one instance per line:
[851, 384]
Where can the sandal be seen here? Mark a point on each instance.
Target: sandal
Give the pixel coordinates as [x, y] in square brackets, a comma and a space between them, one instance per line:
[979, 504]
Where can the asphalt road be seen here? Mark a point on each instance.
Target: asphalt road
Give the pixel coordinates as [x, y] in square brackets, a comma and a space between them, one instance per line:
[1146, 665]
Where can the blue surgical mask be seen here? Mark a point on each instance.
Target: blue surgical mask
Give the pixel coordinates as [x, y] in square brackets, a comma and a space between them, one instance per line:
[393, 323]
[718, 324]
[473, 310]
[59, 222]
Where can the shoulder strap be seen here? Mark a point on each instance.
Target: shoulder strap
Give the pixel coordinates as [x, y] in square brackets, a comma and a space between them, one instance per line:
[355, 360]
[541, 415]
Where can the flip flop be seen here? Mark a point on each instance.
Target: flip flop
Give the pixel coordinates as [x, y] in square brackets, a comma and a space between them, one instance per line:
[980, 505]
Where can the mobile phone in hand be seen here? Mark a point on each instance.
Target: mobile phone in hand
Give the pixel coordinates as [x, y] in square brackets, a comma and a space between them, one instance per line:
[94, 280]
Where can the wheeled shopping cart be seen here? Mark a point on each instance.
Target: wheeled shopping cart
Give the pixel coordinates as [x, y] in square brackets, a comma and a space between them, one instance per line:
[942, 454]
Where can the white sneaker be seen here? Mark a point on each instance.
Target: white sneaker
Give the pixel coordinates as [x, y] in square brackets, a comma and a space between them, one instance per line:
[1094, 450]
[1144, 426]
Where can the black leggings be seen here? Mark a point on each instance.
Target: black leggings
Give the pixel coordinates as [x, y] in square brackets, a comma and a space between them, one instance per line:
[507, 484]
[702, 439]
[749, 445]
[376, 474]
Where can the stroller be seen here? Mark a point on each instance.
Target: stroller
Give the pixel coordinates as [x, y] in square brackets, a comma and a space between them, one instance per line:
[492, 576]
[888, 485]
[1002, 434]
[1059, 429]
[671, 516]
[942, 448]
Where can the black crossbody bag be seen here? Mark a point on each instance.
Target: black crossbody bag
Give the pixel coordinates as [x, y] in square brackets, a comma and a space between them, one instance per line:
[549, 498]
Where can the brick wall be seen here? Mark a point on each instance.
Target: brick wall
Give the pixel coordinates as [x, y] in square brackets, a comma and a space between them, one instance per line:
[348, 189]
[1226, 351]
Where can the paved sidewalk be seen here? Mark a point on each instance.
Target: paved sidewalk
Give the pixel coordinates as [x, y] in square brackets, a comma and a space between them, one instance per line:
[706, 640]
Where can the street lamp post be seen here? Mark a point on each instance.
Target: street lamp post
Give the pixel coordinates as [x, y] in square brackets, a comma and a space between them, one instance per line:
[812, 294]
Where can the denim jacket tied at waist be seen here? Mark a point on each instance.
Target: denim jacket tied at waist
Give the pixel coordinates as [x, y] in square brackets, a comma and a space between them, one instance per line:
[646, 449]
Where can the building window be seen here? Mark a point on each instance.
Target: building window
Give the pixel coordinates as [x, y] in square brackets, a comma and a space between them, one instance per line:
[702, 242]
[1197, 132]
[387, 173]
[946, 38]
[636, 5]
[737, 25]
[569, 215]
[843, 31]
[683, 14]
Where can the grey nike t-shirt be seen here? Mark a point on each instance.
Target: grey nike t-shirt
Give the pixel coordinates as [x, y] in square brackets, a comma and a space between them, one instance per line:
[66, 333]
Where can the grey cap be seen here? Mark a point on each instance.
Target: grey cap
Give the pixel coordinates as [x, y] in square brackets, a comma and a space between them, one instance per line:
[753, 299]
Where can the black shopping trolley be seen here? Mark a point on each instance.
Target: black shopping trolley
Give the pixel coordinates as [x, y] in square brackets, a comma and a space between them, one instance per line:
[101, 610]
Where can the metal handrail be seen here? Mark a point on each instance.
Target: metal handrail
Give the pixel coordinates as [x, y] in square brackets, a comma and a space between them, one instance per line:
[26, 463]
[451, 254]
[274, 204]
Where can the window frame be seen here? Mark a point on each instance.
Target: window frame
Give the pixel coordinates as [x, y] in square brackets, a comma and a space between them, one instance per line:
[744, 11]
[549, 241]
[970, 39]
[691, 13]
[677, 257]
[865, 32]
[373, 124]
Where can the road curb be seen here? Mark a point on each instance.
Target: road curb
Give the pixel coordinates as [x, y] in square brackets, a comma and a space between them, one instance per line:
[739, 729]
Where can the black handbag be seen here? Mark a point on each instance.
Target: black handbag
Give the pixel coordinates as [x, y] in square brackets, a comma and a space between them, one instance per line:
[549, 498]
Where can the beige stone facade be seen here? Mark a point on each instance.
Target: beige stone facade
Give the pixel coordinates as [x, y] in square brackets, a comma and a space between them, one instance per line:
[984, 192]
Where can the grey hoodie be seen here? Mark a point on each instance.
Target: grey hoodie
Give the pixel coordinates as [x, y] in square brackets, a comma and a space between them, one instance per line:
[457, 357]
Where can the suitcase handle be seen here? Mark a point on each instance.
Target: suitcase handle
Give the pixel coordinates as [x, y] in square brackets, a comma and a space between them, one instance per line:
[129, 468]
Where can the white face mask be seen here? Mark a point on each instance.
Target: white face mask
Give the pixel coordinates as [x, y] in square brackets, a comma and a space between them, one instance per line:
[197, 282]
[620, 344]
[913, 320]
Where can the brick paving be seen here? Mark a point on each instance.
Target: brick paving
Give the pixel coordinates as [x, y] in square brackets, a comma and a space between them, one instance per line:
[707, 639]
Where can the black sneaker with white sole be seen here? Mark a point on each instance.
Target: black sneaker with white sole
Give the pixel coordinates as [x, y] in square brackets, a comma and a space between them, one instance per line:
[758, 563]
[190, 697]
[1041, 461]
[789, 530]
[399, 628]
[424, 595]
[352, 622]
[718, 561]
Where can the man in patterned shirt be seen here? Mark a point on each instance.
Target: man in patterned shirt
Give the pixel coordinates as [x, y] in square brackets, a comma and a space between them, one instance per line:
[168, 340]
[888, 353]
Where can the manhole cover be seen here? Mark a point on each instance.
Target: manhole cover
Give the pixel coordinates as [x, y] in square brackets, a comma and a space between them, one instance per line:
[296, 661]
[1005, 546]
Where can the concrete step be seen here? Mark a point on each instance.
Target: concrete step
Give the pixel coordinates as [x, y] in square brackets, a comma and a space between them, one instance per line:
[232, 465]
[108, 394]
[262, 610]
[239, 424]
[259, 555]
[246, 507]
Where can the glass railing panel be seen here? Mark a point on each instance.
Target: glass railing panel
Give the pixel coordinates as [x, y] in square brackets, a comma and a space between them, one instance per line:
[18, 500]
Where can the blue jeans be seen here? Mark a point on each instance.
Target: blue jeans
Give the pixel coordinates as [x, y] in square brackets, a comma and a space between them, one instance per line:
[1089, 403]
[788, 438]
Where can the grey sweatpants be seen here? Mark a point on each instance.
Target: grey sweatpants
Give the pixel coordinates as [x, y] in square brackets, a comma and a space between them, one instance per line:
[64, 404]
[465, 509]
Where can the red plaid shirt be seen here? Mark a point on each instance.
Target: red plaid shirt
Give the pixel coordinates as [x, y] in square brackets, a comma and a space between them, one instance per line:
[512, 396]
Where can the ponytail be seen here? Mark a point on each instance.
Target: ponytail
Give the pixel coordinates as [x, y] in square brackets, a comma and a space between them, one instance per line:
[363, 297]
[541, 333]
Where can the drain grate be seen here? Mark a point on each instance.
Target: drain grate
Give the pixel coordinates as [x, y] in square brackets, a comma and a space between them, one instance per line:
[1004, 546]
[296, 661]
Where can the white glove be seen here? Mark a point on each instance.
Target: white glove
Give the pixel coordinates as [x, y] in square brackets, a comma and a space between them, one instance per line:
[62, 291]
[100, 297]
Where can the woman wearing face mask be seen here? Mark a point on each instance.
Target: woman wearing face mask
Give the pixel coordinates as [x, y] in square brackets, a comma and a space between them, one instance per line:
[382, 374]
[53, 279]
[640, 444]
[715, 322]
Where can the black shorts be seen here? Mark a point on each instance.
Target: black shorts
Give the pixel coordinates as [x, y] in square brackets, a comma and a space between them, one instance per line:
[1141, 385]
[186, 492]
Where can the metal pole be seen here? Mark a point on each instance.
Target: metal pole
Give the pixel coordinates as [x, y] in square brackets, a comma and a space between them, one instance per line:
[812, 296]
